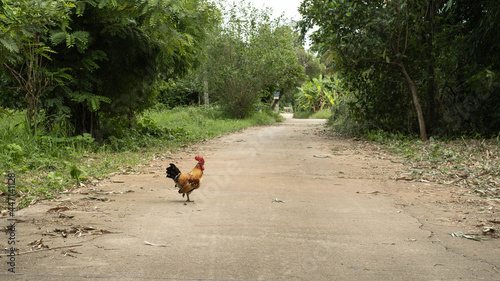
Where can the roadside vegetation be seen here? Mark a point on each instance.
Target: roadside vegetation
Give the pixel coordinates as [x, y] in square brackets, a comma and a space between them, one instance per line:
[425, 67]
[318, 97]
[420, 78]
[470, 163]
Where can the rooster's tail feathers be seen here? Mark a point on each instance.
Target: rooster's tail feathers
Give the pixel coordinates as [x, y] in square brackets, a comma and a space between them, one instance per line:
[173, 172]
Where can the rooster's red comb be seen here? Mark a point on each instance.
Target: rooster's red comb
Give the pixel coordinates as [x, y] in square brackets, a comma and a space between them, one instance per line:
[200, 159]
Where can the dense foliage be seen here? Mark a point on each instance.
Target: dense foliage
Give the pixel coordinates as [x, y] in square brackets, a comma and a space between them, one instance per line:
[250, 56]
[91, 65]
[318, 94]
[247, 57]
[425, 66]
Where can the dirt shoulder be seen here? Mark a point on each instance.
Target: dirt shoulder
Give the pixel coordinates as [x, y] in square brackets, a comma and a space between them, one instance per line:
[281, 202]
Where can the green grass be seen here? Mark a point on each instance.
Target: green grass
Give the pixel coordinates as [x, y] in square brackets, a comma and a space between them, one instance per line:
[46, 165]
[322, 114]
[201, 123]
[8, 117]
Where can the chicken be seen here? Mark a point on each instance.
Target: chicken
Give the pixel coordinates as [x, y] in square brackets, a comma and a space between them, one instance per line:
[187, 182]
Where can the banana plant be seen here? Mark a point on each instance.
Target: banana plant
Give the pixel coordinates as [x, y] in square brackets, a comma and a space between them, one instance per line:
[318, 94]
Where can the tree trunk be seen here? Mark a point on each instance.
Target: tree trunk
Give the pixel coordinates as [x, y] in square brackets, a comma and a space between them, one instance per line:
[416, 101]
[205, 88]
[275, 102]
[33, 82]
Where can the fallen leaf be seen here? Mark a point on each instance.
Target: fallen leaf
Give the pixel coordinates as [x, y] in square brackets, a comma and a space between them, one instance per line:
[36, 242]
[115, 192]
[488, 230]
[73, 251]
[155, 245]
[467, 236]
[65, 216]
[97, 198]
[55, 209]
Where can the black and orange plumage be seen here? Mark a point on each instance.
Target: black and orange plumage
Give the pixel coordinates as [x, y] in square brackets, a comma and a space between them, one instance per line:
[187, 182]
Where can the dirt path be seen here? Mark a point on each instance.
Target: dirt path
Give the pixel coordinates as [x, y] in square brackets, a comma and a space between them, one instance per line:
[277, 203]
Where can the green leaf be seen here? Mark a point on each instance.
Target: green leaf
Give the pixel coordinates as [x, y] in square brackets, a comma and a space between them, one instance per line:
[9, 44]
[80, 8]
[75, 173]
[58, 37]
[448, 5]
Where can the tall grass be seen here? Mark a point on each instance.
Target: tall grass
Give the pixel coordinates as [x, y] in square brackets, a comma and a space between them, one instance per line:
[321, 114]
[43, 164]
[206, 122]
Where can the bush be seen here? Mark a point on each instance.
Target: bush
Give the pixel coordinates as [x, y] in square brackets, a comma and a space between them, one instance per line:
[302, 114]
[322, 114]
[341, 120]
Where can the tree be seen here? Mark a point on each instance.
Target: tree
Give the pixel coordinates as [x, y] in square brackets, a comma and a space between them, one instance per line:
[442, 52]
[115, 51]
[24, 52]
[283, 70]
[133, 46]
[250, 57]
[312, 65]
[364, 34]
[468, 65]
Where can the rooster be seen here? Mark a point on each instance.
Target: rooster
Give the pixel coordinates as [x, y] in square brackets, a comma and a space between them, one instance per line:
[187, 182]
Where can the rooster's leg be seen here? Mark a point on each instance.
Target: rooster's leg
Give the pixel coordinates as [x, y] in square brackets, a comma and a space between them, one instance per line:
[188, 198]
